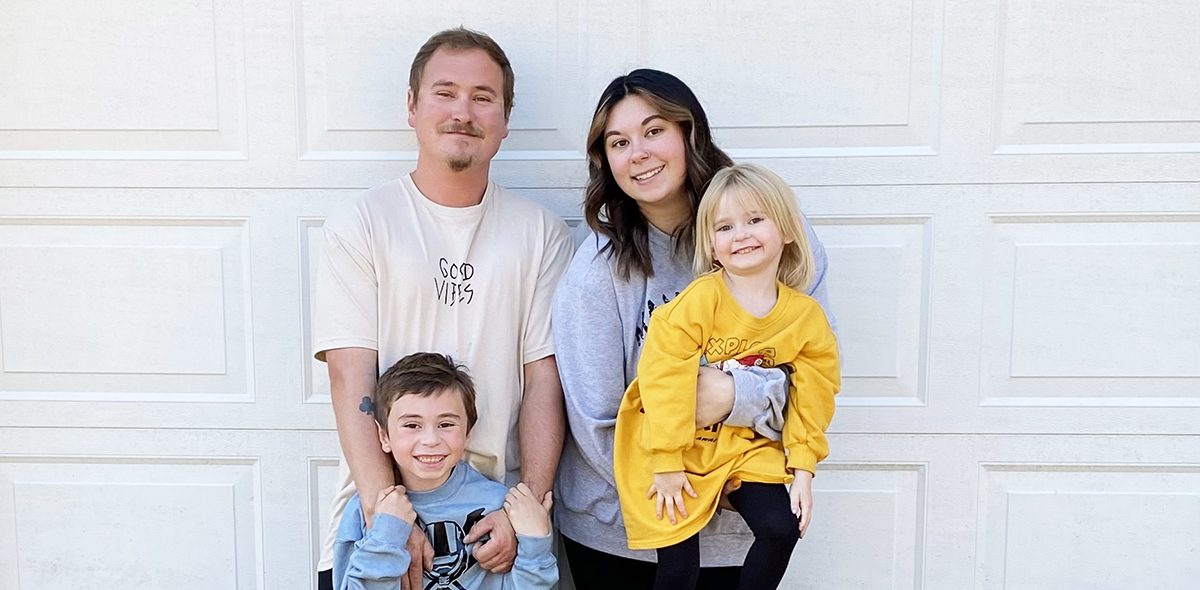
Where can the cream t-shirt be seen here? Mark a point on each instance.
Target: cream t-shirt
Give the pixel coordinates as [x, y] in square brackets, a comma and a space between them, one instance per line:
[400, 274]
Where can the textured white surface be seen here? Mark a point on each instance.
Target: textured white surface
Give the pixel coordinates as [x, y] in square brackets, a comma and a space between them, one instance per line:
[1009, 191]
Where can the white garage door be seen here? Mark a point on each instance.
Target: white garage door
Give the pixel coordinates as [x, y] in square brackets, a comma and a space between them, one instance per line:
[1009, 192]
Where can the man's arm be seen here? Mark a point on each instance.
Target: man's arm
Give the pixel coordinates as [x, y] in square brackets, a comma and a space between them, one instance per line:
[541, 425]
[352, 375]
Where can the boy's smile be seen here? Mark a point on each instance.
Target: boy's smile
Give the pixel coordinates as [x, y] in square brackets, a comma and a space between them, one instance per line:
[426, 436]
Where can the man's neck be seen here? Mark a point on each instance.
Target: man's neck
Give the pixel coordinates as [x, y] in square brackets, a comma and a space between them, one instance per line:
[448, 188]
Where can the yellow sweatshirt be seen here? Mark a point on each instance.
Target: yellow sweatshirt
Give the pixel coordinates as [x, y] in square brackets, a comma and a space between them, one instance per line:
[656, 424]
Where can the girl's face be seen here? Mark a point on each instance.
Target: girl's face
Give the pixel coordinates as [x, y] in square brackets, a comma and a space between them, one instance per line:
[745, 240]
[648, 160]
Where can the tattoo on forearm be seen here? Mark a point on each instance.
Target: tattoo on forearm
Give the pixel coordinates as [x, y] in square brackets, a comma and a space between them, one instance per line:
[367, 406]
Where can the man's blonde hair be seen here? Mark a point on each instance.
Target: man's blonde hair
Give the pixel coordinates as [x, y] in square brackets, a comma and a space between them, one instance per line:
[757, 189]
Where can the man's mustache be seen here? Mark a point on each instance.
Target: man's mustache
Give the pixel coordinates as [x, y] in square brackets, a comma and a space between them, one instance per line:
[465, 128]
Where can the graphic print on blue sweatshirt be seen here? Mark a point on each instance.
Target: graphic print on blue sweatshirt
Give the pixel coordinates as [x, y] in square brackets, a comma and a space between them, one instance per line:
[639, 333]
[453, 283]
[451, 557]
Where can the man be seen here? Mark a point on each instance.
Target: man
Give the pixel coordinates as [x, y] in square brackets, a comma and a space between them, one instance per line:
[443, 260]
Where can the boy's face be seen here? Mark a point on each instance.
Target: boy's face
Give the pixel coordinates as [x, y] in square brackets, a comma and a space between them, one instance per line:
[426, 435]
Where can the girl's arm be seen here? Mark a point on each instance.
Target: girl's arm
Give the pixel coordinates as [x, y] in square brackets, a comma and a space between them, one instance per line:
[816, 377]
[667, 374]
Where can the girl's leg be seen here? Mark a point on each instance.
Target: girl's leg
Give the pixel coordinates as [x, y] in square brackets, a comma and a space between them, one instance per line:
[592, 569]
[679, 565]
[767, 510]
[719, 578]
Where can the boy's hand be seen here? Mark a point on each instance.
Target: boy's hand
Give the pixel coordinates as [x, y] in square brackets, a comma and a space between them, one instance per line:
[500, 550]
[669, 487]
[392, 500]
[802, 498]
[528, 516]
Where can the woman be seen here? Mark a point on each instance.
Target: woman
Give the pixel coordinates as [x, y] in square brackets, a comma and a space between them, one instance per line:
[650, 157]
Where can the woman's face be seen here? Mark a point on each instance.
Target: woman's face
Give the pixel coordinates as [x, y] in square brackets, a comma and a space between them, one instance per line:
[648, 160]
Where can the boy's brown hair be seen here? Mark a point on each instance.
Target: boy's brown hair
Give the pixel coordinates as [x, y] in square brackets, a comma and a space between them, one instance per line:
[423, 374]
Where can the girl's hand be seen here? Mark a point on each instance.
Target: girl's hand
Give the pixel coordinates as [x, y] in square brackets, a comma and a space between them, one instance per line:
[669, 487]
[802, 498]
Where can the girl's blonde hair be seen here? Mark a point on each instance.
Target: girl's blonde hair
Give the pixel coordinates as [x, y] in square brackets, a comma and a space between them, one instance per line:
[758, 189]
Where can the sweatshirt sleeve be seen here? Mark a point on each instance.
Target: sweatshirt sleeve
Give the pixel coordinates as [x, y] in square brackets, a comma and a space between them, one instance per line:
[377, 561]
[816, 377]
[535, 567]
[589, 348]
[667, 375]
[819, 289]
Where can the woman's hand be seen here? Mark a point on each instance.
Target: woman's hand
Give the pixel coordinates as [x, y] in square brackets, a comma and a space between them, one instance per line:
[670, 487]
[802, 498]
[714, 396]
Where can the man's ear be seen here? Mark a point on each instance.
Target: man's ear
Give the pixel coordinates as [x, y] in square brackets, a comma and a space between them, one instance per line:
[383, 438]
[412, 109]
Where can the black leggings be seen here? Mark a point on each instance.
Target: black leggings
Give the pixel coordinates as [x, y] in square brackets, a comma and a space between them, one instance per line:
[592, 569]
[767, 510]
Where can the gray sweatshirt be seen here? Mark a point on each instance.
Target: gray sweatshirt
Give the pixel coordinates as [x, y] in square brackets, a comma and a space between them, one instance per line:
[599, 325]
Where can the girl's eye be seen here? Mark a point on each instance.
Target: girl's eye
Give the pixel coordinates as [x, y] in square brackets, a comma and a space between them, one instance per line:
[619, 143]
[725, 227]
[653, 131]
[755, 219]
[411, 425]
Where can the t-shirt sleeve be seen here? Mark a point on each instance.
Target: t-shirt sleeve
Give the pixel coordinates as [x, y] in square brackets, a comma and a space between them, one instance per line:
[346, 310]
[556, 257]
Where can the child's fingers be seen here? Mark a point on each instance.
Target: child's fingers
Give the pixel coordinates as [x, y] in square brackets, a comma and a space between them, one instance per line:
[523, 489]
[679, 504]
[548, 501]
[805, 518]
[687, 486]
[658, 505]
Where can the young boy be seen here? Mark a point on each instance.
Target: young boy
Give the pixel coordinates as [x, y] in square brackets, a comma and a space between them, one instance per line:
[425, 409]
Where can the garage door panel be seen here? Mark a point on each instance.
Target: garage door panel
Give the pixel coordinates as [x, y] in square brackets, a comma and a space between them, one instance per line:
[888, 47]
[1092, 310]
[72, 522]
[878, 282]
[1088, 526]
[121, 310]
[99, 81]
[870, 532]
[1090, 76]
[353, 67]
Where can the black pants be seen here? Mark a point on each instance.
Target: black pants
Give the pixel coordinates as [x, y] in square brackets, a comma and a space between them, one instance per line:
[325, 580]
[767, 510]
[597, 570]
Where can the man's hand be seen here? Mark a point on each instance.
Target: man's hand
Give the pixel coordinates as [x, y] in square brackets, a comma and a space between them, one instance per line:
[731, 486]
[392, 500]
[802, 498]
[669, 488]
[498, 553]
[714, 396]
[421, 553]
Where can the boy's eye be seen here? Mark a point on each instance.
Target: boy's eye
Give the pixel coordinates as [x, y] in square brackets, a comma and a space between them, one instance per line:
[447, 425]
[410, 425]
[483, 99]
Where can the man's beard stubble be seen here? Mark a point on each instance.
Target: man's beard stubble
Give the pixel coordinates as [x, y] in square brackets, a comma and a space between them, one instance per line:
[458, 164]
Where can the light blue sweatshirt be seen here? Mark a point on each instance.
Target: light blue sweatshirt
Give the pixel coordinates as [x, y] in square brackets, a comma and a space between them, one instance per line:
[375, 560]
[599, 325]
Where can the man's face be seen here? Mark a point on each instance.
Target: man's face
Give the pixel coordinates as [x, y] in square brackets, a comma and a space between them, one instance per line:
[459, 112]
[427, 436]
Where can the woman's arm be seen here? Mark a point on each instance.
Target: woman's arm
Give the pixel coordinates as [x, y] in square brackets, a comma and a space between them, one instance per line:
[590, 352]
